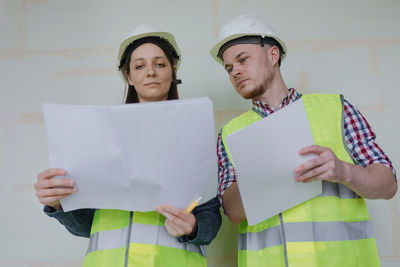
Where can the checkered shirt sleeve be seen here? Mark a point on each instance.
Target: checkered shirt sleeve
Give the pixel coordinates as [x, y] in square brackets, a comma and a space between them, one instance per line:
[360, 139]
[226, 171]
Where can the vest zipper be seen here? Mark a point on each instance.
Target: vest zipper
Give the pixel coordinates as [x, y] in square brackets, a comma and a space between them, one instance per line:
[283, 239]
[128, 239]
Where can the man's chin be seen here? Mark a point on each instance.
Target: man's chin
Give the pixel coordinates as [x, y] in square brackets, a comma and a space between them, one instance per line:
[245, 93]
[249, 95]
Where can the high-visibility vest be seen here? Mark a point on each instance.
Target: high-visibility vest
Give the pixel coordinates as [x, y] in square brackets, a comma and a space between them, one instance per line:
[128, 238]
[332, 229]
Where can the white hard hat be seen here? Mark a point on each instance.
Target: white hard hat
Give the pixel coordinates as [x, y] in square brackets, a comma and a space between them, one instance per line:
[245, 25]
[142, 31]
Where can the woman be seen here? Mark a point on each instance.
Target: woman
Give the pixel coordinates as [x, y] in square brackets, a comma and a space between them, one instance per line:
[147, 61]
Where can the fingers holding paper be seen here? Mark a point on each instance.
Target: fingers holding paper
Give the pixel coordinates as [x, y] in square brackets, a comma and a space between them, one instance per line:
[49, 191]
[325, 166]
[177, 222]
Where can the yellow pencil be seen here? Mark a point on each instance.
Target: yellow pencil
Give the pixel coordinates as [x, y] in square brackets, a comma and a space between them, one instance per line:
[193, 205]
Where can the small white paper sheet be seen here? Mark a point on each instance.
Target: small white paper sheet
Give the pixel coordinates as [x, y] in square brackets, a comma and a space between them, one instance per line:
[134, 156]
[265, 154]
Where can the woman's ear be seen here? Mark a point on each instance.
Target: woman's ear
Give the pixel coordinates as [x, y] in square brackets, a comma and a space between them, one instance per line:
[128, 77]
[174, 71]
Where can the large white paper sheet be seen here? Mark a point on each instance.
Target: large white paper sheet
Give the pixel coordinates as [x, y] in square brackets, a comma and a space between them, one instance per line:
[134, 156]
[265, 154]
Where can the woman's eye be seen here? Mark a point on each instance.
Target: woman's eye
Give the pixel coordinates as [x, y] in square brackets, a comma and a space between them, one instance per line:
[138, 67]
[161, 65]
[229, 70]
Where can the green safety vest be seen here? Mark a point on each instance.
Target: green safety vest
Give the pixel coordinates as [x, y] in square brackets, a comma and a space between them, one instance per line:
[128, 238]
[332, 229]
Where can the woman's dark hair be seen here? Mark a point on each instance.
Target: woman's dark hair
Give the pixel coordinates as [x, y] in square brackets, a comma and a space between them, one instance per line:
[169, 51]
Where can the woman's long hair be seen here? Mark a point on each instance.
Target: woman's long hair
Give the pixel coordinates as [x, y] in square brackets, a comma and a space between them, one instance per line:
[169, 51]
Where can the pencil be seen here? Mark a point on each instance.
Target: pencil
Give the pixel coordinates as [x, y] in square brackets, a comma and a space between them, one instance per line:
[193, 205]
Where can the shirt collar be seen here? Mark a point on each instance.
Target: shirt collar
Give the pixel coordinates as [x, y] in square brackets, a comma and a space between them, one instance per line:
[264, 109]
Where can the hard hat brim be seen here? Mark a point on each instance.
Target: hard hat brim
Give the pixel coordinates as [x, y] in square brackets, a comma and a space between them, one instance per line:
[215, 49]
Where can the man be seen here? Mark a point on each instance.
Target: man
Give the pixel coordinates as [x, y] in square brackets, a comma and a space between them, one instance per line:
[332, 229]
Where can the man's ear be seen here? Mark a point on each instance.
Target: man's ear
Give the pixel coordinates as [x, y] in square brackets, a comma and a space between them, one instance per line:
[274, 54]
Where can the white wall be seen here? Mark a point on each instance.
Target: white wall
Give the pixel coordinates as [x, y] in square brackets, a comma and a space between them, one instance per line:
[64, 52]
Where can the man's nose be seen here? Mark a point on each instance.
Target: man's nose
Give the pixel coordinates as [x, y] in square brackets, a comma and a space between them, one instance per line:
[236, 69]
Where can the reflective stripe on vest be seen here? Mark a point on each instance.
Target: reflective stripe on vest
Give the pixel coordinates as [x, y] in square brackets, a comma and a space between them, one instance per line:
[337, 190]
[332, 229]
[140, 233]
[123, 238]
[306, 232]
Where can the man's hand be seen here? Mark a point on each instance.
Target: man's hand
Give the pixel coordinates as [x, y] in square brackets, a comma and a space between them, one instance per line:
[326, 166]
[178, 222]
[375, 181]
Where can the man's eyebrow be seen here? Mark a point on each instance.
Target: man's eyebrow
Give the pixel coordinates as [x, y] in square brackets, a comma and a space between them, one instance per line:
[236, 57]
[240, 54]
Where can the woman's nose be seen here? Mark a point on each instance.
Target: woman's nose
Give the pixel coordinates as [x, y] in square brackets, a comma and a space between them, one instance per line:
[151, 71]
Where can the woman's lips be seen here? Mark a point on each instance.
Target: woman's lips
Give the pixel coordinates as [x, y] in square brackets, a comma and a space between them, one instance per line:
[151, 84]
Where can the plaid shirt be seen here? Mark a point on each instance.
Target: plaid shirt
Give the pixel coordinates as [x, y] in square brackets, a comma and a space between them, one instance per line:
[359, 137]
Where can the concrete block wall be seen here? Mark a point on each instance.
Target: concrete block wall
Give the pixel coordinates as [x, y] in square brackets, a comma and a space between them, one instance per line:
[64, 52]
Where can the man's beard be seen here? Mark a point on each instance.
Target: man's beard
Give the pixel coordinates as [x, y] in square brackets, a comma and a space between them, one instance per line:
[250, 94]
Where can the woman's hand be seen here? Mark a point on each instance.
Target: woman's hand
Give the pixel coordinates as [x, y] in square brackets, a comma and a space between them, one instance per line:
[49, 191]
[178, 222]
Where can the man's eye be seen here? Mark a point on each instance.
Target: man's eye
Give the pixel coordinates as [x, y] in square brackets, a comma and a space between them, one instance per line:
[229, 70]
[242, 60]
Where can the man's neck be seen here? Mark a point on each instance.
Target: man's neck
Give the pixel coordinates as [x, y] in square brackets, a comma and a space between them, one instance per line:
[274, 94]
